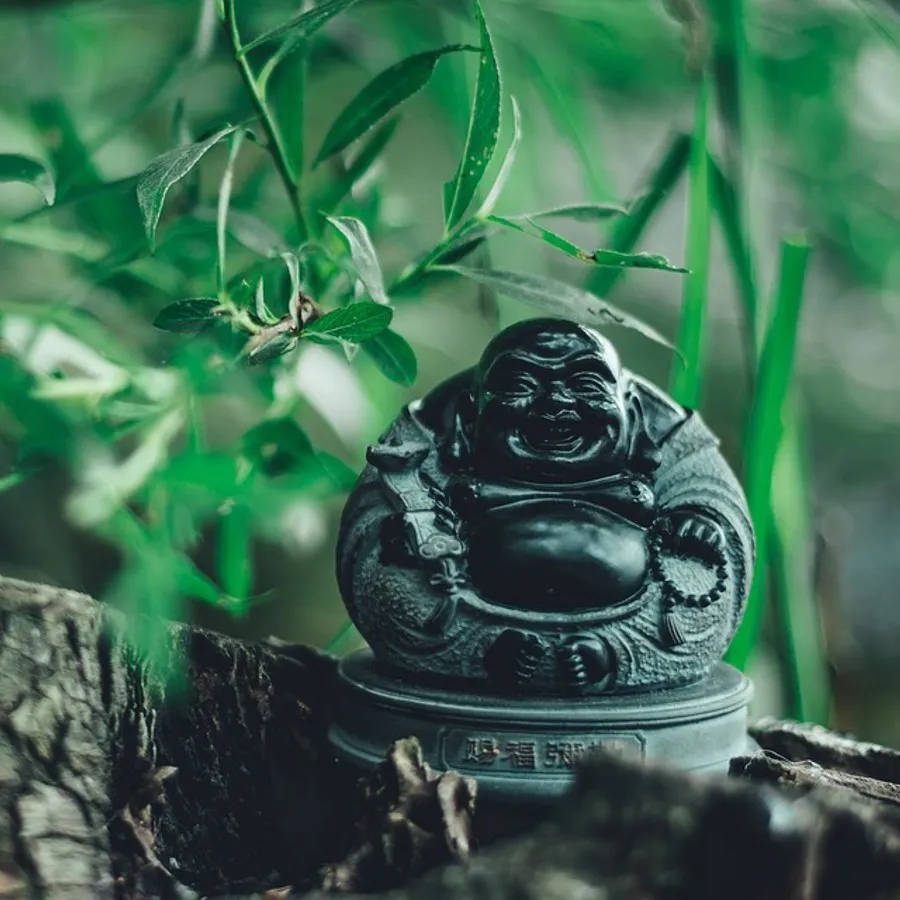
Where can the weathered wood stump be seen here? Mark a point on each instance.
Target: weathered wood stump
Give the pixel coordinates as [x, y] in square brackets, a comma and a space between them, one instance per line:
[112, 786]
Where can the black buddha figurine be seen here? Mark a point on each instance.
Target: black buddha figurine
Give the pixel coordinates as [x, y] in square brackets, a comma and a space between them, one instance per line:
[547, 521]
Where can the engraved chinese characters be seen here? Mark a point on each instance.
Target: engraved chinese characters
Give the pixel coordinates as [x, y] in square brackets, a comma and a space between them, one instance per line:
[547, 522]
[530, 754]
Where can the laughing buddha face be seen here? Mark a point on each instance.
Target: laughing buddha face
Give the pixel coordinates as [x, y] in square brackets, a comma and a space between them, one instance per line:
[551, 404]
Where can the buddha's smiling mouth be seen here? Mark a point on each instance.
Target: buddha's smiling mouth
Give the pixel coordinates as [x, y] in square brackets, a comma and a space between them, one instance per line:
[558, 433]
[563, 434]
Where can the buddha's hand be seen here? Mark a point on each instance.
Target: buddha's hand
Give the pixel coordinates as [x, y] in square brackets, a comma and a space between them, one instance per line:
[697, 535]
[512, 659]
[586, 661]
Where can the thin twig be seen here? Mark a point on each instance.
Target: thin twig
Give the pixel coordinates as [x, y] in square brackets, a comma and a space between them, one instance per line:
[276, 147]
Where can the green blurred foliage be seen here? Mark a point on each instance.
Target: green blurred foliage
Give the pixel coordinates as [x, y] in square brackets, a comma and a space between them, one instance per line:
[199, 471]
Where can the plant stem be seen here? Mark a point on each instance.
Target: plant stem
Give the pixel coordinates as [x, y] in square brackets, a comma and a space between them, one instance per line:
[688, 374]
[418, 269]
[222, 210]
[276, 145]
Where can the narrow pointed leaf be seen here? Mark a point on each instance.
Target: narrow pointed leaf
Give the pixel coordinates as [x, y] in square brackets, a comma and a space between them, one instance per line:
[234, 557]
[461, 248]
[482, 134]
[505, 167]
[187, 316]
[792, 549]
[384, 92]
[641, 260]
[724, 201]
[560, 242]
[263, 313]
[393, 356]
[764, 432]
[362, 252]
[164, 171]
[305, 23]
[358, 166]
[341, 476]
[626, 231]
[580, 212]
[286, 96]
[355, 323]
[601, 257]
[254, 233]
[558, 297]
[15, 167]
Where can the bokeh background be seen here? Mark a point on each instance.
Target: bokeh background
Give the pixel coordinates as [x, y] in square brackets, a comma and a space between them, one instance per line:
[807, 114]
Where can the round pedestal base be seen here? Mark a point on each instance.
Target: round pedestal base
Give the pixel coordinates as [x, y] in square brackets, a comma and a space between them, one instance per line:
[525, 749]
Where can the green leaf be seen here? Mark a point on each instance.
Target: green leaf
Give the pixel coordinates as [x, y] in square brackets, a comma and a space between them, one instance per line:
[641, 260]
[725, 202]
[337, 471]
[559, 84]
[560, 242]
[286, 96]
[687, 378]
[482, 134]
[35, 232]
[600, 257]
[234, 557]
[357, 167]
[764, 432]
[69, 158]
[461, 248]
[357, 322]
[164, 171]
[393, 356]
[14, 167]
[254, 233]
[627, 230]
[305, 23]
[263, 313]
[558, 297]
[505, 167]
[12, 479]
[187, 316]
[580, 212]
[383, 93]
[362, 252]
[276, 446]
[792, 553]
[341, 637]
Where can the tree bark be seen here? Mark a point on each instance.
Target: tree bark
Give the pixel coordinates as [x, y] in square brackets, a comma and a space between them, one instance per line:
[90, 734]
[629, 832]
[115, 783]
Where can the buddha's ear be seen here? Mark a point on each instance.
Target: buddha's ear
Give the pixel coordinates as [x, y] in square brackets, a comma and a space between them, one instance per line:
[458, 448]
[643, 452]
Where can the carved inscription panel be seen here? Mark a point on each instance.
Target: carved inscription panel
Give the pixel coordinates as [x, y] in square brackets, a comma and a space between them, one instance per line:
[545, 754]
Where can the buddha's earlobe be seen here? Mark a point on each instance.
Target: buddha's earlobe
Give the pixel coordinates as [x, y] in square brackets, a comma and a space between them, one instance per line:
[458, 448]
[643, 452]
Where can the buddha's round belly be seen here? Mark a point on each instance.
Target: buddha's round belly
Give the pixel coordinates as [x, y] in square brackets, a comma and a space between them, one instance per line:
[557, 555]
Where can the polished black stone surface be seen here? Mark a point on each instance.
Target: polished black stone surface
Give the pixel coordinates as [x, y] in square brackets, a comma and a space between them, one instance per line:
[547, 524]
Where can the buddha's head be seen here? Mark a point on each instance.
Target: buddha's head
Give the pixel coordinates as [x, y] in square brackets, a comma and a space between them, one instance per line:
[550, 404]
